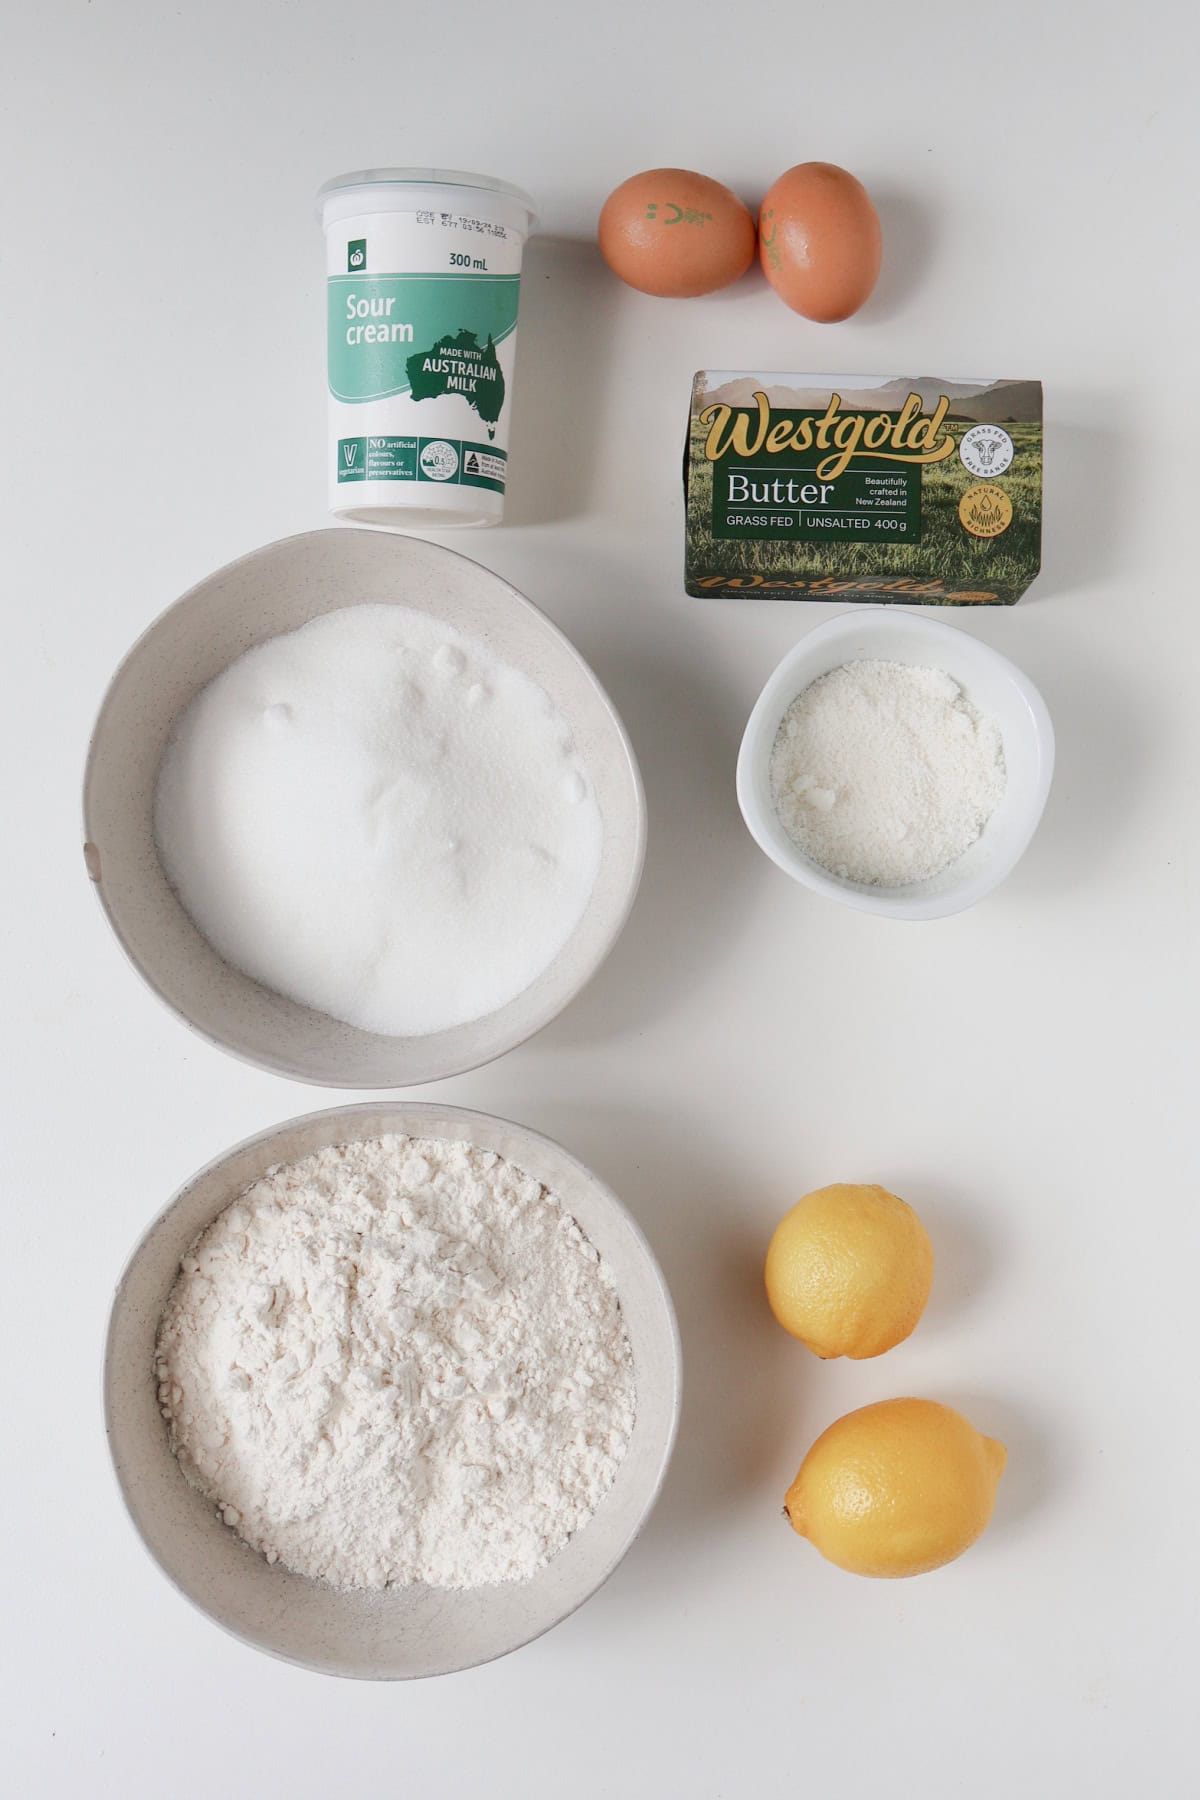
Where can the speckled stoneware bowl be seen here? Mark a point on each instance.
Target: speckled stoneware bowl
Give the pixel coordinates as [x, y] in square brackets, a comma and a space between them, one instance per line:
[404, 1631]
[276, 589]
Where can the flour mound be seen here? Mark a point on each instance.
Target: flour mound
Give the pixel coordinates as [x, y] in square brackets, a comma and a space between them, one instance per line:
[398, 1360]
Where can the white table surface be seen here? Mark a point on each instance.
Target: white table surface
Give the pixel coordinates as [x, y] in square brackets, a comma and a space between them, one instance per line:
[1025, 1073]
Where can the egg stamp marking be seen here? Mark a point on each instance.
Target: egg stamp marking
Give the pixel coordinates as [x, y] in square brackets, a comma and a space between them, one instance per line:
[686, 215]
[768, 242]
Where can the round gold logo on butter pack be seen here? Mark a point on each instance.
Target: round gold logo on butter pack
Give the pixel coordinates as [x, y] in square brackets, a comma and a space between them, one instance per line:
[985, 510]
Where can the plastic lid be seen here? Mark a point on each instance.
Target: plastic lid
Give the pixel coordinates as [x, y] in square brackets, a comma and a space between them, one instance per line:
[426, 178]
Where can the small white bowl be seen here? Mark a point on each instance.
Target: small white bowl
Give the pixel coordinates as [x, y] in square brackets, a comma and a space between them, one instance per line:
[277, 589]
[992, 683]
[403, 1631]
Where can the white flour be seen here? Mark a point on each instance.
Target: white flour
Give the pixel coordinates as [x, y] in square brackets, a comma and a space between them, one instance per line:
[398, 1360]
[884, 773]
[375, 817]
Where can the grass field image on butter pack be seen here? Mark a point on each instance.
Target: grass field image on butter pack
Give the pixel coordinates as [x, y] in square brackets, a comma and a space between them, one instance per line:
[863, 487]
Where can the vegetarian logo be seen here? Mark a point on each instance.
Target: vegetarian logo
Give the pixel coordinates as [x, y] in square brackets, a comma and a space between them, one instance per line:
[460, 365]
[349, 453]
[356, 255]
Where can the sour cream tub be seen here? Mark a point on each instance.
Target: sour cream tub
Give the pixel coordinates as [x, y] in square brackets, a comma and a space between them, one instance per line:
[424, 276]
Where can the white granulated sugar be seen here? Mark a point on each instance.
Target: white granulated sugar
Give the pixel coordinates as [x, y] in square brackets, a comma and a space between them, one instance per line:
[398, 1360]
[884, 773]
[374, 816]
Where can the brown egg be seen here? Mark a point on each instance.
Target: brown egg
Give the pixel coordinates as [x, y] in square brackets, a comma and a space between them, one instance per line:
[675, 233]
[819, 241]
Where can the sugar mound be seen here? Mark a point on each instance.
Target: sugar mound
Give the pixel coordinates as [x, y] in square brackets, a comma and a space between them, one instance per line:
[375, 817]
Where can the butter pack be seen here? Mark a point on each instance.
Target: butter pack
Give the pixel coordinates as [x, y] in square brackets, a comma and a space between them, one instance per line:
[877, 488]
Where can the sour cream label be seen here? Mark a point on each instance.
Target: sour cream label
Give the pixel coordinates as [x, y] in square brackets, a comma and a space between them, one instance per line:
[421, 325]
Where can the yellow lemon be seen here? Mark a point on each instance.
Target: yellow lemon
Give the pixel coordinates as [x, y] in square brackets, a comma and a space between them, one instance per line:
[849, 1270]
[896, 1488]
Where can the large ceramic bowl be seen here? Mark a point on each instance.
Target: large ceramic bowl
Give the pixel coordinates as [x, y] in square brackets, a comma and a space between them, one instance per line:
[404, 1631]
[277, 589]
[992, 683]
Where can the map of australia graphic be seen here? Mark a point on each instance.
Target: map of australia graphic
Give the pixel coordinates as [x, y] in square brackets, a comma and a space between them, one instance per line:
[460, 365]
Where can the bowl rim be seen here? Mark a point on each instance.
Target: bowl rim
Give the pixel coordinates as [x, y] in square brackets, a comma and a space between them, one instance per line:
[763, 723]
[109, 1374]
[279, 1063]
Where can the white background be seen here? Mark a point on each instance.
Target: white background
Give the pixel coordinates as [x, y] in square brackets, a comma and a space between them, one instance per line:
[1025, 1074]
